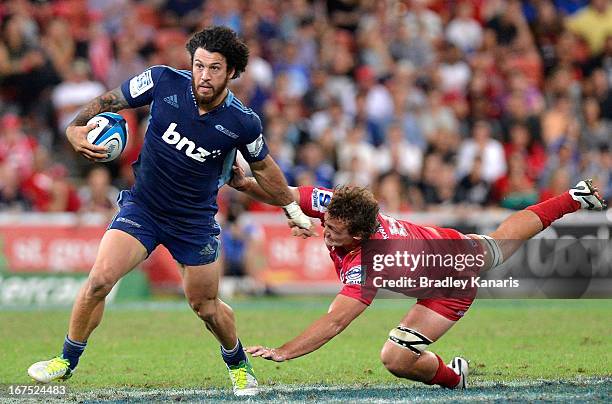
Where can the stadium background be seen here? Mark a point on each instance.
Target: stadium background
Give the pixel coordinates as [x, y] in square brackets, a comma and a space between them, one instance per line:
[453, 112]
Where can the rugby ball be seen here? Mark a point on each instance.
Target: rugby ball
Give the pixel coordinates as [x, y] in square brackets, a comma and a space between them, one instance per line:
[111, 132]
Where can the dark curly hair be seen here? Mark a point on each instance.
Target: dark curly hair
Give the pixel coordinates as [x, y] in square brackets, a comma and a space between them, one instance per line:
[224, 41]
[356, 207]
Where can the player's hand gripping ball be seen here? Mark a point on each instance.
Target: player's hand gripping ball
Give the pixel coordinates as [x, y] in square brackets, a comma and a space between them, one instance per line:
[111, 132]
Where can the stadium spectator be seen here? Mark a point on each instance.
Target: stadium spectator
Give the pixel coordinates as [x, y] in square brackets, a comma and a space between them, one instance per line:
[239, 240]
[312, 159]
[523, 143]
[593, 23]
[76, 89]
[564, 154]
[490, 150]
[434, 115]
[421, 20]
[333, 118]
[16, 148]
[595, 131]
[60, 46]
[317, 98]
[472, 189]
[25, 69]
[506, 22]
[391, 192]
[296, 130]
[602, 60]
[446, 185]
[547, 27]
[98, 195]
[558, 180]
[12, 198]
[454, 72]
[48, 188]
[463, 30]
[428, 185]
[398, 154]
[517, 113]
[356, 158]
[127, 63]
[556, 121]
[378, 101]
[515, 190]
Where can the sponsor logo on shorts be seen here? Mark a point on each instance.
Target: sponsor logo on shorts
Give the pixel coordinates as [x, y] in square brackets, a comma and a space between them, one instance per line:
[141, 83]
[128, 221]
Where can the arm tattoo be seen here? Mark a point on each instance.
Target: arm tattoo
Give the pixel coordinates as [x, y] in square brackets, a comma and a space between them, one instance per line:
[111, 101]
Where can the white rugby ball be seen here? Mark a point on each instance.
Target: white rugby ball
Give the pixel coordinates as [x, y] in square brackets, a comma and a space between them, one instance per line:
[111, 132]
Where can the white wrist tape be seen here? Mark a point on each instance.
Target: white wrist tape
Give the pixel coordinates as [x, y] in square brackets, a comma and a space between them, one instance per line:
[294, 212]
[497, 257]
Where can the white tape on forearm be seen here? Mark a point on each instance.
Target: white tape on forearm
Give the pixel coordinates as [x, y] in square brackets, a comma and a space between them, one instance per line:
[294, 212]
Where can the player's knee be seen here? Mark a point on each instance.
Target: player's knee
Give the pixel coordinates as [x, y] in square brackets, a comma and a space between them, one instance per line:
[399, 364]
[206, 309]
[99, 286]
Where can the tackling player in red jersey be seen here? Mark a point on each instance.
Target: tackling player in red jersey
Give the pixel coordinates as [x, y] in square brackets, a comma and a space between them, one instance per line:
[349, 216]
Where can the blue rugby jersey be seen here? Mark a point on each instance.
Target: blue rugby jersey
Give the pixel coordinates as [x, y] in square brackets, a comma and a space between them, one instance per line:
[186, 157]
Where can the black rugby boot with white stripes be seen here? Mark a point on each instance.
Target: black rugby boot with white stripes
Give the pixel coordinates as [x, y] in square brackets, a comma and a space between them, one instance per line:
[461, 367]
[588, 196]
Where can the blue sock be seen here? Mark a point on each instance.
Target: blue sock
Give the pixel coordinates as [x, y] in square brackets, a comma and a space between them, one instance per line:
[235, 356]
[73, 351]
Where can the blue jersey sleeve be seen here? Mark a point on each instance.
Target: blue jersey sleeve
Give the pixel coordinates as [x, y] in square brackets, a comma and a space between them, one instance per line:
[138, 91]
[254, 147]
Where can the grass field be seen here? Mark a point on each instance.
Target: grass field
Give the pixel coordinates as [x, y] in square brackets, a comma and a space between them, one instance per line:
[519, 350]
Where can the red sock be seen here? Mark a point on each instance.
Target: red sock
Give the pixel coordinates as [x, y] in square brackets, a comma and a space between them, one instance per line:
[445, 376]
[553, 208]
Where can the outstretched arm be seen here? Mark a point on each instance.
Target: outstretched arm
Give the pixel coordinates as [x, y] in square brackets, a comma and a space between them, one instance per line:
[342, 312]
[272, 181]
[251, 187]
[111, 101]
[274, 190]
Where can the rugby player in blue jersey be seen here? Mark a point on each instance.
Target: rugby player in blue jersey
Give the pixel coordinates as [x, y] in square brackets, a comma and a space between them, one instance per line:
[196, 126]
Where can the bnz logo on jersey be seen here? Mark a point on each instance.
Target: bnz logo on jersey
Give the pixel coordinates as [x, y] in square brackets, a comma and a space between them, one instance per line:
[172, 137]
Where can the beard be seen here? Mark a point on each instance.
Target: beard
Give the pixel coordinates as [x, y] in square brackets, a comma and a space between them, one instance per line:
[213, 95]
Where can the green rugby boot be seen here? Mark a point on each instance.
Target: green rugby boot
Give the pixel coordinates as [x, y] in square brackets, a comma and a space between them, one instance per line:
[48, 371]
[243, 379]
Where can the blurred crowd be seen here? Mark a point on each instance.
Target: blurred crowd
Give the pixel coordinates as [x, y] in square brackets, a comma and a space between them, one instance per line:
[431, 104]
